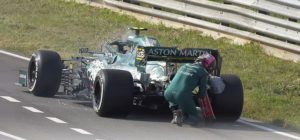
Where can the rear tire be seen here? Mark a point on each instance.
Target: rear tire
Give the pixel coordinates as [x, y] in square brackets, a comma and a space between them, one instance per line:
[228, 105]
[44, 73]
[113, 93]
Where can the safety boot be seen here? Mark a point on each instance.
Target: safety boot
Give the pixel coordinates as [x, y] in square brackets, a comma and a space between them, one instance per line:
[177, 117]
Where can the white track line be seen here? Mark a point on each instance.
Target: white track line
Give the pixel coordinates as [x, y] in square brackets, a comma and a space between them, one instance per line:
[11, 99]
[57, 120]
[81, 131]
[11, 136]
[269, 129]
[32, 109]
[15, 55]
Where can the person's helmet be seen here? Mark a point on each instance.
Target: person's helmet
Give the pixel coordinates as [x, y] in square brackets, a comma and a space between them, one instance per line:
[207, 60]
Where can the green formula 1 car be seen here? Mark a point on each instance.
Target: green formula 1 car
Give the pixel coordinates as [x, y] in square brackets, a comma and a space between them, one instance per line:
[135, 71]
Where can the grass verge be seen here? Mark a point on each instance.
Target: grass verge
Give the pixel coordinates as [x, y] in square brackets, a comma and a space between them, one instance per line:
[271, 85]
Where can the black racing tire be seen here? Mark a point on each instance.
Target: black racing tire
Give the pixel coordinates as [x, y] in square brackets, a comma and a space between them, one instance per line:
[113, 93]
[228, 105]
[44, 73]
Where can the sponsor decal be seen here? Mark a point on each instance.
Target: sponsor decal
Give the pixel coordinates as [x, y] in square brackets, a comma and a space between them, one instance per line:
[186, 55]
[175, 52]
[140, 54]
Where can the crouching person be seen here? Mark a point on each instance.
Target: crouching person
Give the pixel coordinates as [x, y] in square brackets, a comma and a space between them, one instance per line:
[179, 92]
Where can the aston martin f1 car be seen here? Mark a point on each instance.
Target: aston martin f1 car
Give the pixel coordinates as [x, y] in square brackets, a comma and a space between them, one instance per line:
[126, 73]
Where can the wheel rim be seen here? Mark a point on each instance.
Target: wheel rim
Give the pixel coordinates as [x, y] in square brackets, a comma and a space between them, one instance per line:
[32, 74]
[98, 94]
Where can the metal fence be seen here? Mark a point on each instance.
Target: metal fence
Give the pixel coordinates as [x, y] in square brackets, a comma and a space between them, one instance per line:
[271, 22]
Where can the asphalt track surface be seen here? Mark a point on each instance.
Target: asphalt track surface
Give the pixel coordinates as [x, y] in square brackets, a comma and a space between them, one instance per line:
[74, 119]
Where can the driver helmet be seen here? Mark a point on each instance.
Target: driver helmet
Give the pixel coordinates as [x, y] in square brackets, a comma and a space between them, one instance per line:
[207, 60]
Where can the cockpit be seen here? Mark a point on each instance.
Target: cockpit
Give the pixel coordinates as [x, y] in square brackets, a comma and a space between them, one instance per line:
[144, 41]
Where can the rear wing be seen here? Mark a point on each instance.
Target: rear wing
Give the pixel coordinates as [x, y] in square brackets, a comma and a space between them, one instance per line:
[174, 55]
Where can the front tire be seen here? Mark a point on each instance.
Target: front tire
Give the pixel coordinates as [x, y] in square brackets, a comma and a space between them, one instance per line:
[44, 73]
[113, 93]
[228, 105]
